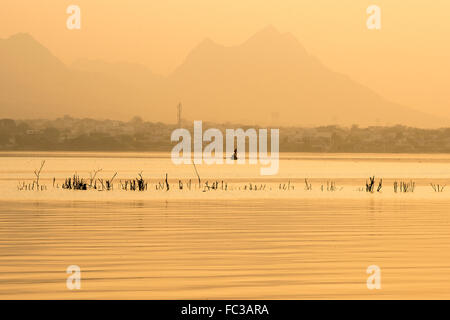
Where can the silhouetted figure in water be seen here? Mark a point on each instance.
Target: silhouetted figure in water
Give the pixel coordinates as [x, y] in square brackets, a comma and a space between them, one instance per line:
[234, 156]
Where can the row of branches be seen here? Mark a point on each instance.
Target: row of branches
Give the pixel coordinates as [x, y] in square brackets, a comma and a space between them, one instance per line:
[403, 186]
[76, 182]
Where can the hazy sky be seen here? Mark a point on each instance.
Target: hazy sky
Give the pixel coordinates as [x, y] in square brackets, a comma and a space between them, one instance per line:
[407, 61]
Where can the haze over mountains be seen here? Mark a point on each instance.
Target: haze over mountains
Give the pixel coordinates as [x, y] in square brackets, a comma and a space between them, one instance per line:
[269, 79]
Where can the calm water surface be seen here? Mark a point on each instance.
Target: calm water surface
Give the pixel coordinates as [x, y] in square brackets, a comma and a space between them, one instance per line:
[265, 244]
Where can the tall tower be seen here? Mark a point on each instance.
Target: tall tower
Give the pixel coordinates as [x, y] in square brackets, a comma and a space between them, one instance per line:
[179, 108]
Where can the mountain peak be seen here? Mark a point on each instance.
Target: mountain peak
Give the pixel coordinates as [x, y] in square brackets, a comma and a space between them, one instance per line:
[24, 52]
[269, 29]
[25, 40]
[207, 43]
[266, 34]
[22, 36]
[205, 47]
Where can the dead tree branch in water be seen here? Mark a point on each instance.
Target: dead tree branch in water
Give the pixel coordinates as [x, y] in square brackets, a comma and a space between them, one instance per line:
[404, 186]
[37, 173]
[142, 185]
[370, 187]
[380, 185]
[75, 183]
[109, 183]
[437, 187]
[93, 177]
[308, 186]
[198, 176]
[167, 184]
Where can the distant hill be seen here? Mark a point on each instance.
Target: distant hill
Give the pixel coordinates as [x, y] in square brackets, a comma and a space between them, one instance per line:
[268, 79]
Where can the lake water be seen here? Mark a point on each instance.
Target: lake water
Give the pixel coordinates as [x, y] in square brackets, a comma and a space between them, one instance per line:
[279, 241]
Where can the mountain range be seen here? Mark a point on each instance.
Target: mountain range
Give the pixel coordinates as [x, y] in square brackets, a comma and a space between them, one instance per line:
[269, 79]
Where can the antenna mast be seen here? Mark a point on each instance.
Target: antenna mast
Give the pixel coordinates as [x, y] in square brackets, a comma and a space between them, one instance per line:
[179, 109]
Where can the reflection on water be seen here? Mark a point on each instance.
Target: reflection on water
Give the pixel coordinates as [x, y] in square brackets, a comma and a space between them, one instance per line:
[266, 246]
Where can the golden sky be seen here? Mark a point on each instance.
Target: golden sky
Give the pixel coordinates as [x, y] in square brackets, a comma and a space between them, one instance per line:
[407, 61]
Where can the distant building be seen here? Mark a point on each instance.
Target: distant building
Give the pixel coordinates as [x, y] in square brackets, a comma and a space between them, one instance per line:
[34, 132]
[7, 123]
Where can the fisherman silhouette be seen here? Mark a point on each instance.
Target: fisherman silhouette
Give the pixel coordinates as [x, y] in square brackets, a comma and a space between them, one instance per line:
[234, 156]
